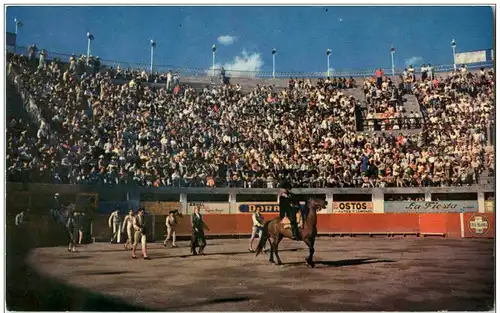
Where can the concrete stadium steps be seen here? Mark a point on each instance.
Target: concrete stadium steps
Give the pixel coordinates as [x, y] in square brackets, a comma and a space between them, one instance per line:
[14, 102]
[357, 93]
[411, 104]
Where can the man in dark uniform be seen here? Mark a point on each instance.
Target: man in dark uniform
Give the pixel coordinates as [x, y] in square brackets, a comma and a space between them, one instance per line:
[198, 235]
[72, 229]
[56, 206]
[288, 207]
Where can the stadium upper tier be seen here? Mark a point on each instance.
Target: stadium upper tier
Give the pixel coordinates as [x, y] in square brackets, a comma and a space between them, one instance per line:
[93, 128]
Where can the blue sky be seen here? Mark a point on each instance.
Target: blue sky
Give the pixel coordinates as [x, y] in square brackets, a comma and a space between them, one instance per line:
[359, 37]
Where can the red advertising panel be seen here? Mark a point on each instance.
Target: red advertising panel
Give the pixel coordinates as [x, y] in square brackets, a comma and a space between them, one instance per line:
[479, 225]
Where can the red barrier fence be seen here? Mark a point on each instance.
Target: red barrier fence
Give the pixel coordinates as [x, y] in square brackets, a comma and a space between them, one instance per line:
[454, 225]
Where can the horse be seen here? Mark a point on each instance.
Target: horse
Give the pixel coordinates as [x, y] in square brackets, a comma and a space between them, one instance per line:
[64, 218]
[274, 231]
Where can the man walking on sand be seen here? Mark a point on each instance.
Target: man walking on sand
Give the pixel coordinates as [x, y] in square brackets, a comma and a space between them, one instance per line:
[258, 223]
[128, 227]
[140, 234]
[114, 223]
[171, 223]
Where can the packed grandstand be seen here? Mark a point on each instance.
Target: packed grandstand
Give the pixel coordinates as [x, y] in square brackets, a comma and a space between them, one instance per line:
[93, 125]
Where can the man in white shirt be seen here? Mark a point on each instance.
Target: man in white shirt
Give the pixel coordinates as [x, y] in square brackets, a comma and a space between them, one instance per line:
[169, 80]
[128, 225]
[258, 224]
[20, 219]
[171, 223]
[114, 223]
[430, 71]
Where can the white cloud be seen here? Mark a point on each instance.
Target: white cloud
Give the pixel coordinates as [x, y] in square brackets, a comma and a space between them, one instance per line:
[413, 61]
[242, 65]
[226, 40]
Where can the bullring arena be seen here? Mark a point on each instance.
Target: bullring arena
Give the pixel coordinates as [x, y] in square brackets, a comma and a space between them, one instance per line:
[398, 164]
[351, 274]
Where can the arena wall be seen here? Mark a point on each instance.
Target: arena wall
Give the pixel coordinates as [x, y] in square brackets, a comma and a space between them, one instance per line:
[450, 218]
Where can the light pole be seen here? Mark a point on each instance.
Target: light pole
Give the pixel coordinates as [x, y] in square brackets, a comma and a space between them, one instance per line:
[153, 45]
[19, 24]
[274, 63]
[392, 60]
[214, 49]
[453, 46]
[90, 37]
[328, 52]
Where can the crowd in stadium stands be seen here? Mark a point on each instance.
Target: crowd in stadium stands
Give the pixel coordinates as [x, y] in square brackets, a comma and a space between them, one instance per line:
[94, 131]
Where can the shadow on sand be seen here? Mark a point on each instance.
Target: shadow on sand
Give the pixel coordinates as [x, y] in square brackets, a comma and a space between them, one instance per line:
[26, 290]
[340, 263]
[220, 253]
[207, 302]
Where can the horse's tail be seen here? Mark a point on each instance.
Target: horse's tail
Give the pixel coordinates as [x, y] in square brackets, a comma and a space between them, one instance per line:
[263, 238]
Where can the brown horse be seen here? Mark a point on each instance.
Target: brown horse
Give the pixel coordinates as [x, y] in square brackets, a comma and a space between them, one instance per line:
[274, 231]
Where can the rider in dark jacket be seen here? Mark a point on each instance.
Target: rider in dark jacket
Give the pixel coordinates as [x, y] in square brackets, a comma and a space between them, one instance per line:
[288, 207]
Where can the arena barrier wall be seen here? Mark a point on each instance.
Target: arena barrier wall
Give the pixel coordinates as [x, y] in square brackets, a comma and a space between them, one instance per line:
[452, 225]
[456, 219]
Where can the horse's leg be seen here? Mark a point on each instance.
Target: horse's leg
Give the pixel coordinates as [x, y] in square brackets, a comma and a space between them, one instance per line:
[271, 249]
[71, 247]
[310, 244]
[277, 242]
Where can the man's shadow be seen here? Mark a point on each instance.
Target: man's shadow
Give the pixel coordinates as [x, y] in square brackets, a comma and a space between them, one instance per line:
[340, 263]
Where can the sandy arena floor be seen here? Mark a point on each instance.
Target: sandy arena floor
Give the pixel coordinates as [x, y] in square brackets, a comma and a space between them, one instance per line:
[352, 274]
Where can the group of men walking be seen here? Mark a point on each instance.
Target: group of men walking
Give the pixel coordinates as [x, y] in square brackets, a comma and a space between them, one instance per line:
[134, 225]
[135, 228]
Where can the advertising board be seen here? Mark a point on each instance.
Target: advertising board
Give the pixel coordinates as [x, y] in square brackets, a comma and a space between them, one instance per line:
[478, 224]
[353, 207]
[430, 206]
[268, 207]
[489, 206]
[159, 207]
[262, 207]
[209, 207]
[472, 57]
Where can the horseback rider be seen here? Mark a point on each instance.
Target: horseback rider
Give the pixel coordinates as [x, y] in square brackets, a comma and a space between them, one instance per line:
[288, 207]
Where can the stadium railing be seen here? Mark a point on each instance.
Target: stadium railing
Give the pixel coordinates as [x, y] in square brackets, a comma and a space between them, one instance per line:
[208, 72]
